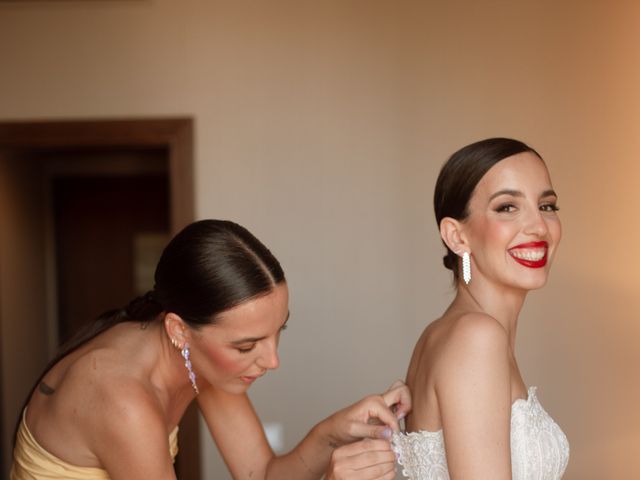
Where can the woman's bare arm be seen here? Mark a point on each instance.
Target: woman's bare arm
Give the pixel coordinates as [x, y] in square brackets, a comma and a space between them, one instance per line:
[238, 433]
[474, 395]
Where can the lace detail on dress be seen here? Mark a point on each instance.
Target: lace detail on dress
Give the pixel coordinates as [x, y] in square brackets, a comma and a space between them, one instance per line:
[422, 455]
[539, 449]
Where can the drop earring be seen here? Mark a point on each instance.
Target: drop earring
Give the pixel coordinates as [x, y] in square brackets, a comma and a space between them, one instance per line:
[466, 267]
[186, 354]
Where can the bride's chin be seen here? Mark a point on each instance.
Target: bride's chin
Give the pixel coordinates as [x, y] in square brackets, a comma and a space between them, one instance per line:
[530, 284]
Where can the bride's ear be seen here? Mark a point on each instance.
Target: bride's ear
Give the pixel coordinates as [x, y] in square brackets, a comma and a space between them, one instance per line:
[452, 235]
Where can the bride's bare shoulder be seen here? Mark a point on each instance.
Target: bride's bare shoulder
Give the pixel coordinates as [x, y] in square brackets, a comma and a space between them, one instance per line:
[473, 341]
[454, 330]
[458, 345]
[475, 328]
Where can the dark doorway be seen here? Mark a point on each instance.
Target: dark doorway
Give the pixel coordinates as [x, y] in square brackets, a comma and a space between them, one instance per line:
[102, 195]
[101, 224]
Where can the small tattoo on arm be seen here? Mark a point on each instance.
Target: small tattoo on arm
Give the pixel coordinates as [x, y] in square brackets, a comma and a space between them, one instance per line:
[46, 389]
[305, 465]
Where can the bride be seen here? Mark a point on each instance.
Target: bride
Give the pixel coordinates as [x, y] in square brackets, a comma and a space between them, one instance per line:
[473, 416]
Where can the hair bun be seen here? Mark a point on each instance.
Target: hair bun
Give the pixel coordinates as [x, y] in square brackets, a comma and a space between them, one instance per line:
[144, 307]
[447, 261]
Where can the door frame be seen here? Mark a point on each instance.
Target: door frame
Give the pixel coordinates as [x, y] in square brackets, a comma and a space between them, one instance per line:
[176, 135]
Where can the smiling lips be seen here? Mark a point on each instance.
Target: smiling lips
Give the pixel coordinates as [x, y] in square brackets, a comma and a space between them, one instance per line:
[250, 379]
[531, 255]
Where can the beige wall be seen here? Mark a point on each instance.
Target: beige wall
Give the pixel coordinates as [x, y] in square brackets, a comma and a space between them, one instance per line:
[22, 286]
[321, 126]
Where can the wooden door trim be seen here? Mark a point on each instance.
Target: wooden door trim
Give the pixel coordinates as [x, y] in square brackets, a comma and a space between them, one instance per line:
[3, 447]
[176, 135]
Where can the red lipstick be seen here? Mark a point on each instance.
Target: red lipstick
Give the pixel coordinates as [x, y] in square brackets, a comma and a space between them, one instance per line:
[530, 254]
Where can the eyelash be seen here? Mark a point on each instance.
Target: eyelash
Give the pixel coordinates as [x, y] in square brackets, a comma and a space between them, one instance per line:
[248, 349]
[547, 207]
[505, 208]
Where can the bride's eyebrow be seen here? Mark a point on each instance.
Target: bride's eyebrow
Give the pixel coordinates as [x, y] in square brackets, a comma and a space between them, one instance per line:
[513, 193]
[257, 339]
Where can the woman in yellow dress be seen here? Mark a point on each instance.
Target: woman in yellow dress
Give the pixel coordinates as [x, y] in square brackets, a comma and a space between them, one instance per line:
[108, 405]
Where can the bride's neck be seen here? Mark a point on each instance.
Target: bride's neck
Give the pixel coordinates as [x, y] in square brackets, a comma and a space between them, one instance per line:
[501, 304]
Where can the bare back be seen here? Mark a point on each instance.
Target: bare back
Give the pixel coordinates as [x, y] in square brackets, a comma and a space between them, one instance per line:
[103, 383]
[434, 360]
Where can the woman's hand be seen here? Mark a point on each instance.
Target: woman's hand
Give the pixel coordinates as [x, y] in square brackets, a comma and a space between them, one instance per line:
[375, 416]
[398, 398]
[364, 460]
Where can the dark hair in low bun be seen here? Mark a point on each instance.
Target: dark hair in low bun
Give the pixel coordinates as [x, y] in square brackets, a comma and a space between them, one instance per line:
[208, 267]
[212, 266]
[460, 175]
[143, 308]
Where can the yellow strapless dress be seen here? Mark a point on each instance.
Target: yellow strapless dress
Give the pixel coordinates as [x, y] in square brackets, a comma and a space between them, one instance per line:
[32, 462]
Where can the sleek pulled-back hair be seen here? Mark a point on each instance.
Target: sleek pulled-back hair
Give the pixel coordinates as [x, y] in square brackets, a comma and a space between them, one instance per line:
[460, 175]
[212, 266]
[206, 269]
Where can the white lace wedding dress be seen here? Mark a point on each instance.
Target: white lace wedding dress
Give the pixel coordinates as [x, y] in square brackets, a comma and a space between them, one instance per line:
[539, 449]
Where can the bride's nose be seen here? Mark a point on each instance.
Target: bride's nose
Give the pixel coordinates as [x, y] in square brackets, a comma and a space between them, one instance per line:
[536, 224]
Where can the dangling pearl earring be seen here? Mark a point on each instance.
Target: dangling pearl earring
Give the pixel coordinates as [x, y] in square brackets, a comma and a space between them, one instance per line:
[466, 267]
